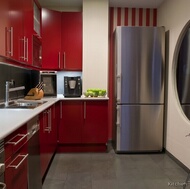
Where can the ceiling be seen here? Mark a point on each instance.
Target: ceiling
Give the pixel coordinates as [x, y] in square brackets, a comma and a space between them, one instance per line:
[113, 3]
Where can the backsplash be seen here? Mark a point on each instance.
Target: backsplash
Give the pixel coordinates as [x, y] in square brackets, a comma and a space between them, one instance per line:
[21, 76]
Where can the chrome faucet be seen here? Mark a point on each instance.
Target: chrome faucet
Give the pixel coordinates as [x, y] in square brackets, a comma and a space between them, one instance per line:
[7, 85]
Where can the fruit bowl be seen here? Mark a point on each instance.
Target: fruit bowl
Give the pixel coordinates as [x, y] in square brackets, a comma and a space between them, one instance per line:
[95, 93]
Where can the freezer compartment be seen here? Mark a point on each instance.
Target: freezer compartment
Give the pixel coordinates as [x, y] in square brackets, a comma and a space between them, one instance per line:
[139, 128]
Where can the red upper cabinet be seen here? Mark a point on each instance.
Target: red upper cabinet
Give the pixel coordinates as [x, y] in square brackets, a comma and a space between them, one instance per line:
[28, 31]
[72, 40]
[61, 40]
[4, 11]
[51, 39]
[14, 30]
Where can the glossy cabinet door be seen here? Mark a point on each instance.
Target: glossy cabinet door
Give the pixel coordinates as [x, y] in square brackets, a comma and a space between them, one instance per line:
[71, 36]
[14, 31]
[83, 122]
[71, 122]
[4, 16]
[95, 128]
[51, 39]
[48, 137]
[16, 159]
[28, 31]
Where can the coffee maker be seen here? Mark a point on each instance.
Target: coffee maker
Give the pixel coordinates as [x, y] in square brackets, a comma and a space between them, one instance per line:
[72, 86]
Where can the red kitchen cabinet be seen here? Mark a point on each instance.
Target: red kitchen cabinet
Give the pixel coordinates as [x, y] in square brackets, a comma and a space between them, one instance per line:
[51, 39]
[4, 16]
[16, 159]
[95, 128]
[28, 31]
[61, 40]
[48, 137]
[83, 123]
[71, 122]
[16, 29]
[71, 37]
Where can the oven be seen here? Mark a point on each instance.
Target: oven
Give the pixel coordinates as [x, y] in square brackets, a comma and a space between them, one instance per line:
[2, 165]
[49, 78]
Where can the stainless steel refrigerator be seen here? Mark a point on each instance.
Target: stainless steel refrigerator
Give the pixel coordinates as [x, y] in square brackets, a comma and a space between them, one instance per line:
[139, 89]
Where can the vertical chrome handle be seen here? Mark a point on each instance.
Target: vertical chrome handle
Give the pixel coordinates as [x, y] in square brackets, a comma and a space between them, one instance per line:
[26, 50]
[24, 47]
[44, 120]
[61, 110]
[64, 59]
[3, 185]
[54, 111]
[59, 60]
[12, 43]
[49, 120]
[84, 110]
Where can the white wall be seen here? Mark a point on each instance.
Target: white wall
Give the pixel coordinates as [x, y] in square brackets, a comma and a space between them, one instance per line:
[174, 14]
[95, 44]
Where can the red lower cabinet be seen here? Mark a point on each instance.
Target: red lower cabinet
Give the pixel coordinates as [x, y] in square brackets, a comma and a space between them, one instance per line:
[48, 137]
[95, 130]
[16, 160]
[83, 125]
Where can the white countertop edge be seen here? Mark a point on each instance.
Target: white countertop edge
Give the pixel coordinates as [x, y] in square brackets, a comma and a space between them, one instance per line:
[12, 119]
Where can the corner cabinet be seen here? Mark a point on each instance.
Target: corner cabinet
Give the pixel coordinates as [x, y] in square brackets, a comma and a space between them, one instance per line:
[71, 40]
[61, 40]
[51, 39]
[83, 125]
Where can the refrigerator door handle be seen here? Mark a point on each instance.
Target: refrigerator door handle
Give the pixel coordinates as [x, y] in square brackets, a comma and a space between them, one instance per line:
[119, 79]
[118, 124]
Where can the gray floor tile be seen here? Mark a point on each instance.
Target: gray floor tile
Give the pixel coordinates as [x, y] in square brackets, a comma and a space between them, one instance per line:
[113, 171]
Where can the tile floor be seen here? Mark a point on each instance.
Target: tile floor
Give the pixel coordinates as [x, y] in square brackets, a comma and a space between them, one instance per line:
[113, 171]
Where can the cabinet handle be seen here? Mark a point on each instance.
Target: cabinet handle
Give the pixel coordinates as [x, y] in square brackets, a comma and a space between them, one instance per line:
[54, 111]
[3, 185]
[11, 30]
[19, 164]
[9, 43]
[26, 50]
[64, 59]
[84, 110]
[59, 60]
[49, 120]
[18, 141]
[61, 110]
[23, 41]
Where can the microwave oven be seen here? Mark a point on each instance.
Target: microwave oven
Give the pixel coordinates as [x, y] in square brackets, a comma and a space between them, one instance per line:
[49, 79]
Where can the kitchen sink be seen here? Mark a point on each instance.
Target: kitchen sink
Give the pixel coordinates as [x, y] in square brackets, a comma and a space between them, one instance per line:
[18, 104]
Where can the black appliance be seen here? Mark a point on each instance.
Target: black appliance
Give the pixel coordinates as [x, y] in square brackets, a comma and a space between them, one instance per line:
[72, 86]
[49, 78]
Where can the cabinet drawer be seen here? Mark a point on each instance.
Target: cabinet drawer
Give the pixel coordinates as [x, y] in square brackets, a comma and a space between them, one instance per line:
[15, 141]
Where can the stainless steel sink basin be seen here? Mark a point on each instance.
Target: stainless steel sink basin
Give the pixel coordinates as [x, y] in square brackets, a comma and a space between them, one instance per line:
[18, 104]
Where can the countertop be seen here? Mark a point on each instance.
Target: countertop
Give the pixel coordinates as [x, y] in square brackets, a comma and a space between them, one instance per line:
[12, 119]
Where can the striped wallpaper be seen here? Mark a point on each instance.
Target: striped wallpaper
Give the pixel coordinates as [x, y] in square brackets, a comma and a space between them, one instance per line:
[132, 17]
[124, 17]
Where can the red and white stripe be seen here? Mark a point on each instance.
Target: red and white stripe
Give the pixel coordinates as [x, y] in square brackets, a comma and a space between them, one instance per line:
[132, 17]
